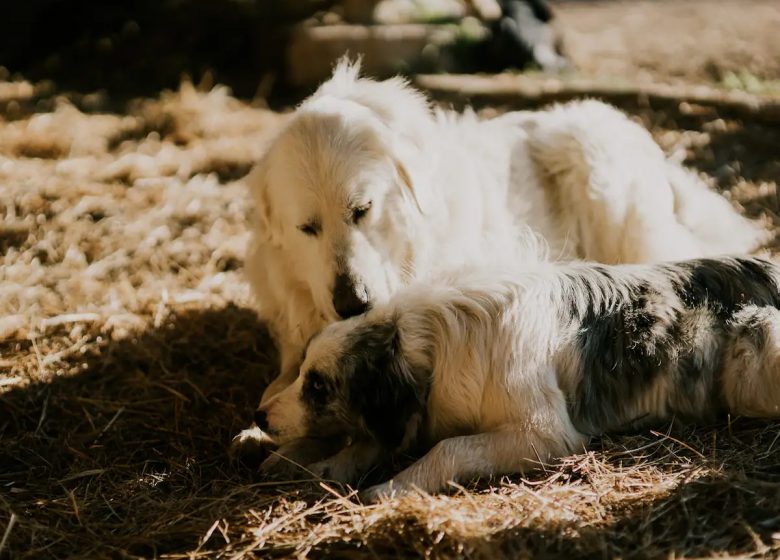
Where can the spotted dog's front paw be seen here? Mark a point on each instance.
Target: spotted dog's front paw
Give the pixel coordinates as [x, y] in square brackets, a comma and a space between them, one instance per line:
[251, 446]
[387, 490]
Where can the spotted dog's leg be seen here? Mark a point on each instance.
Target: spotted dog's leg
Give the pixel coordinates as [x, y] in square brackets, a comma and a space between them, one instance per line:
[457, 459]
[349, 464]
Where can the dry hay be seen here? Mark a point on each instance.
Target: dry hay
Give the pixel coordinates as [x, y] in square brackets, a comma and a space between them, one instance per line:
[129, 357]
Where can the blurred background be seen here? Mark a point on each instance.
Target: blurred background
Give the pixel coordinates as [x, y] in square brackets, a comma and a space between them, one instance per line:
[143, 45]
[276, 47]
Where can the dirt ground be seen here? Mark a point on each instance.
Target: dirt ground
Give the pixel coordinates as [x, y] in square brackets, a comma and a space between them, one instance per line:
[129, 354]
[722, 41]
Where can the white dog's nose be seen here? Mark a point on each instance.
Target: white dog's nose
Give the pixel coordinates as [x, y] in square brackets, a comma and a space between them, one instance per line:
[348, 299]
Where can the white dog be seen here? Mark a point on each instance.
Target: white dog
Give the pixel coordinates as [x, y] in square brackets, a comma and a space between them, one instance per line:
[367, 189]
[500, 371]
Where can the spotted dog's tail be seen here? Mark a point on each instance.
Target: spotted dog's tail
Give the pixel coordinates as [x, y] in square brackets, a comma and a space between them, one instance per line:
[710, 217]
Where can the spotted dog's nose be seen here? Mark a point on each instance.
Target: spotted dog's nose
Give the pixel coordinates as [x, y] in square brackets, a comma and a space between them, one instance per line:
[346, 300]
[261, 419]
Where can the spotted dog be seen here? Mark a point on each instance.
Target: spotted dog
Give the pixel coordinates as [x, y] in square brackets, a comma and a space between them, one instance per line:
[495, 371]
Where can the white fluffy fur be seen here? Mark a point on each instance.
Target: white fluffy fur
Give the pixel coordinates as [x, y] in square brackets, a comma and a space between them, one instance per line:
[577, 181]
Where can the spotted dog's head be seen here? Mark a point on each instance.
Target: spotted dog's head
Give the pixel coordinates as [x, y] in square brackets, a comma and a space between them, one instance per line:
[355, 380]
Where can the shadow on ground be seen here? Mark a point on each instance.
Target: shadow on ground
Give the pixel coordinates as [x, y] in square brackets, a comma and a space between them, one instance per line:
[733, 510]
[124, 457]
[727, 502]
[139, 47]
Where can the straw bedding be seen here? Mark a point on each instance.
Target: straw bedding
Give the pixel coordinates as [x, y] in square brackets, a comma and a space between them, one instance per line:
[129, 356]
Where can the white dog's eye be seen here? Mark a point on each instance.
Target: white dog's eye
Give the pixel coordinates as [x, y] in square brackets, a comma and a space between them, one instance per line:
[360, 211]
[311, 229]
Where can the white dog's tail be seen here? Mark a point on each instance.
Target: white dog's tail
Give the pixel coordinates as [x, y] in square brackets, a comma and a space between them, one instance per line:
[711, 217]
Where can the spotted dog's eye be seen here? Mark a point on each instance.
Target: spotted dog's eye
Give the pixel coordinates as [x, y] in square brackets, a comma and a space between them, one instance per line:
[359, 212]
[315, 388]
[312, 229]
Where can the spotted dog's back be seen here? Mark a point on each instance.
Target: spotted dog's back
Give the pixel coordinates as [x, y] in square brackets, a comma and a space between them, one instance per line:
[689, 339]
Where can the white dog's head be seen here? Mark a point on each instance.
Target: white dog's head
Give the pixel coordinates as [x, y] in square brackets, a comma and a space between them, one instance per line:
[339, 191]
[356, 380]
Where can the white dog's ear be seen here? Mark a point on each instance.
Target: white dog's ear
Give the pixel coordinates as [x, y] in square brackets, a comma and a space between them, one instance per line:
[412, 168]
[267, 226]
[407, 184]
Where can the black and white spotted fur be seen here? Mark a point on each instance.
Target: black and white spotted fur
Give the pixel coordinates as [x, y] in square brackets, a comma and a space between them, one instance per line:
[495, 371]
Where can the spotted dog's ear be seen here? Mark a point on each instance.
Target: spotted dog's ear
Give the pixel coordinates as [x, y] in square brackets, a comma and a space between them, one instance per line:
[267, 226]
[386, 392]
